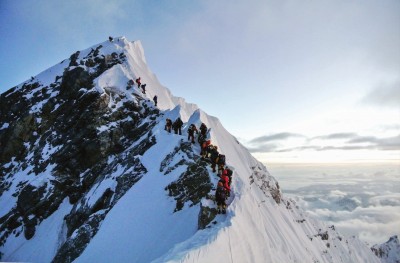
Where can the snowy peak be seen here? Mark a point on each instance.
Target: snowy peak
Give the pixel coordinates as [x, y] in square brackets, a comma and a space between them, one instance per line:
[62, 136]
[93, 174]
[389, 251]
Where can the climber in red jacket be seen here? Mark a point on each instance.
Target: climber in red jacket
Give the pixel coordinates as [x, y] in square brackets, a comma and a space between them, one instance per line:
[225, 181]
[138, 82]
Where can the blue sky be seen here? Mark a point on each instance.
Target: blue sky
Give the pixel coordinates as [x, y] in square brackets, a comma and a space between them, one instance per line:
[295, 81]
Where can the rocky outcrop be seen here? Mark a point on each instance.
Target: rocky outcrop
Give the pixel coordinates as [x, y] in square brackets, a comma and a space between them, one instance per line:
[266, 183]
[389, 252]
[194, 184]
[55, 133]
[206, 216]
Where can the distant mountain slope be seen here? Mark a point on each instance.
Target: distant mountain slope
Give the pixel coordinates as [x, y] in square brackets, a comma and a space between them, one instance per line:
[389, 251]
[90, 174]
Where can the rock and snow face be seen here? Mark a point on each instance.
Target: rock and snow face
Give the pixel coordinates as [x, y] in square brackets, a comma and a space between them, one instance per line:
[90, 174]
[389, 251]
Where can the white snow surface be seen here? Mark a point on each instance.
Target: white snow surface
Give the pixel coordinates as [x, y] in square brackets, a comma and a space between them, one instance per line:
[50, 234]
[142, 226]
[390, 250]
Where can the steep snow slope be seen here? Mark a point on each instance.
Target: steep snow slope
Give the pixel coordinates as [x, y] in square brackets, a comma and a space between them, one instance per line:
[145, 223]
[136, 66]
[389, 251]
[256, 228]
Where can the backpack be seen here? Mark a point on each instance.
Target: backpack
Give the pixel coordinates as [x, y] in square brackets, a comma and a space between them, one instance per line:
[220, 194]
[203, 128]
[201, 138]
[214, 154]
[178, 122]
[229, 172]
[221, 159]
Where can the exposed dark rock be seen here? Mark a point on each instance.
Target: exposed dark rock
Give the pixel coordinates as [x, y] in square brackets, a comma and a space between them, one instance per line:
[323, 235]
[73, 247]
[80, 216]
[12, 141]
[29, 227]
[275, 193]
[28, 199]
[206, 216]
[73, 139]
[72, 81]
[187, 154]
[263, 181]
[73, 59]
[192, 185]
[388, 251]
[63, 136]
[126, 181]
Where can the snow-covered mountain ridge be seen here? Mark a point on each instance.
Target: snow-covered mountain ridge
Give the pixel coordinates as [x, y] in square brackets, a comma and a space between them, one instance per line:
[389, 251]
[90, 174]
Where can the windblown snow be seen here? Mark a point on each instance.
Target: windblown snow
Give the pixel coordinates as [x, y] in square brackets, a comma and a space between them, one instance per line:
[143, 227]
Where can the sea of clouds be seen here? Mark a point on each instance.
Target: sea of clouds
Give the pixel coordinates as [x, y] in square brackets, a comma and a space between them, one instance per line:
[359, 199]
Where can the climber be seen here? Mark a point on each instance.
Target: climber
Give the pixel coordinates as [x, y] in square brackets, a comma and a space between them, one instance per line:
[143, 88]
[207, 152]
[192, 129]
[214, 158]
[110, 39]
[155, 100]
[221, 163]
[229, 173]
[225, 181]
[138, 82]
[204, 147]
[168, 125]
[220, 197]
[177, 125]
[201, 139]
[203, 129]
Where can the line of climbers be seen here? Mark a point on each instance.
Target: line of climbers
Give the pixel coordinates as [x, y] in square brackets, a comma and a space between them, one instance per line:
[210, 154]
[140, 86]
[138, 81]
[176, 126]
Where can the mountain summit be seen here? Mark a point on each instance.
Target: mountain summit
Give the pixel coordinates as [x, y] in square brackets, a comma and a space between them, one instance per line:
[89, 174]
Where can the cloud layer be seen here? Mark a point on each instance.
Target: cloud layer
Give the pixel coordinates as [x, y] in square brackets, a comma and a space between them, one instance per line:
[384, 95]
[363, 201]
[334, 141]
